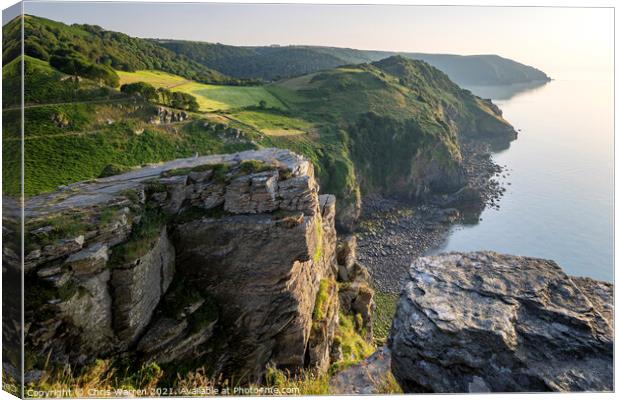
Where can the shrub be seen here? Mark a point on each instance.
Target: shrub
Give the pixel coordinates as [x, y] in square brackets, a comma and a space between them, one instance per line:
[113, 169]
[141, 89]
[73, 63]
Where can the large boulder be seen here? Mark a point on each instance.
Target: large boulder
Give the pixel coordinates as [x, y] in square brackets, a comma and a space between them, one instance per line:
[480, 322]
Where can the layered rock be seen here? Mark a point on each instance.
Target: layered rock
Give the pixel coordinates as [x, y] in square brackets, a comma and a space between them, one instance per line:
[355, 293]
[12, 327]
[216, 260]
[479, 322]
[139, 285]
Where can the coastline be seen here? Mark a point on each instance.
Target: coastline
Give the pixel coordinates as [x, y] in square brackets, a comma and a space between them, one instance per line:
[393, 232]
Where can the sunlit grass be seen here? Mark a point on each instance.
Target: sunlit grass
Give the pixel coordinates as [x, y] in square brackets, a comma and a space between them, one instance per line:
[155, 78]
[220, 97]
[210, 97]
[273, 123]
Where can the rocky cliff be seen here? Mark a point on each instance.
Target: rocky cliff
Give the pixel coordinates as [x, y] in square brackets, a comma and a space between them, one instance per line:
[480, 322]
[227, 262]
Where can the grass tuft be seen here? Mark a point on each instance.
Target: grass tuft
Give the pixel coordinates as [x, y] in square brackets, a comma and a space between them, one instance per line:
[354, 347]
[253, 166]
[143, 237]
[318, 251]
[321, 303]
[385, 307]
[304, 383]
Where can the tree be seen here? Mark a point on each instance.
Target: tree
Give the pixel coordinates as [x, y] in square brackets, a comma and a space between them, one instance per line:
[73, 63]
[102, 74]
[164, 95]
[141, 89]
[183, 101]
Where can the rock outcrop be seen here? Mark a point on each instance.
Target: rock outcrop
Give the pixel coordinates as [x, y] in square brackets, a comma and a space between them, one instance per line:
[355, 293]
[216, 260]
[480, 322]
[366, 377]
[166, 116]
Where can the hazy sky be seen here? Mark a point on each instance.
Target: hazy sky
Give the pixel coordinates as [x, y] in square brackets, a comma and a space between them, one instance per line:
[552, 39]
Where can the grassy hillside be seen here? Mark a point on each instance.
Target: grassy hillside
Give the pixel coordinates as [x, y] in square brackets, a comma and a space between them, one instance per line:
[217, 63]
[61, 159]
[347, 97]
[487, 69]
[391, 126]
[278, 62]
[43, 38]
[210, 97]
[153, 77]
[273, 122]
[43, 84]
[74, 129]
[219, 97]
[56, 156]
[467, 114]
[267, 63]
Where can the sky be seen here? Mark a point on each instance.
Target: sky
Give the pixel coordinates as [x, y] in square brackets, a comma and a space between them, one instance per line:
[552, 39]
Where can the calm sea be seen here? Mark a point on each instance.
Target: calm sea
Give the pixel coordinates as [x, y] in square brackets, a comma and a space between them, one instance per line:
[559, 199]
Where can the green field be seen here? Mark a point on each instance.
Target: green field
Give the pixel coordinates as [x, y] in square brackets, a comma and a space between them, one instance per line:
[273, 123]
[209, 97]
[155, 78]
[219, 97]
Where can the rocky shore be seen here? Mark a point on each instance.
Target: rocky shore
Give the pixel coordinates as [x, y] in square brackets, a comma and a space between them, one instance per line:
[392, 232]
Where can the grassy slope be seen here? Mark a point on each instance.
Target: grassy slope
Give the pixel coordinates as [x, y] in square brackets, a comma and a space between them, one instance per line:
[369, 117]
[341, 96]
[153, 77]
[218, 97]
[108, 131]
[269, 63]
[273, 122]
[399, 122]
[45, 84]
[316, 115]
[210, 97]
[385, 307]
[61, 159]
[42, 37]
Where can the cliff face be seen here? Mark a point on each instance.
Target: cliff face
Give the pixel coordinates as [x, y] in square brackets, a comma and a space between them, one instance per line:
[480, 322]
[216, 260]
[418, 153]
